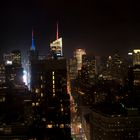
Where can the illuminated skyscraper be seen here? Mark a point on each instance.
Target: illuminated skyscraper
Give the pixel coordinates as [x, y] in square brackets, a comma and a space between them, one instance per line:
[33, 53]
[7, 57]
[16, 57]
[134, 71]
[72, 67]
[89, 65]
[33, 44]
[13, 67]
[56, 46]
[78, 55]
[32, 56]
[13, 57]
[136, 57]
[136, 67]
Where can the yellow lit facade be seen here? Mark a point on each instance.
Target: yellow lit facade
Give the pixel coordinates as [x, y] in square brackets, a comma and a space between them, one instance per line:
[136, 57]
[78, 55]
[56, 47]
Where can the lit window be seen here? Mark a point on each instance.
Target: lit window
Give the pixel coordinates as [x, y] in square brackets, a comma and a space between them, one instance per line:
[33, 104]
[37, 104]
[41, 94]
[61, 125]
[3, 99]
[53, 90]
[41, 86]
[41, 77]
[62, 109]
[43, 119]
[37, 91]
[53, 81]
[53, 77]
[53, 73]
[49, 126]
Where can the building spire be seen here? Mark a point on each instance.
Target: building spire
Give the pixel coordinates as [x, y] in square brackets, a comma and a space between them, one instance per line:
[33, 44]
[57, 32]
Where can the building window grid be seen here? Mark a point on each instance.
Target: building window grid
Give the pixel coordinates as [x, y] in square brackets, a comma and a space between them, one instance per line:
[53, 81]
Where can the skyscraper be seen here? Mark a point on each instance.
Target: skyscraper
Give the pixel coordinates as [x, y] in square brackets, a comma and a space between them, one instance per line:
[136, 57]
[13, 67]
[16, 57]
[33, 53]
[72, 67]
[89, 64]
[51, 102]
[32, 56]
[56, 46]
[33, 44]
[78, 55]
[134, 71]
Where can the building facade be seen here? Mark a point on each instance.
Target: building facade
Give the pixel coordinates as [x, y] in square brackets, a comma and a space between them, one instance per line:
[51, 100]
[136, 57]
[78, 55]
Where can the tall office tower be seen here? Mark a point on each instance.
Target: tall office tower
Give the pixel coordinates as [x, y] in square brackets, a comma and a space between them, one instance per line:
[134, 71]
[2, 73]
[13, 67]
[33, 55]
[14, 74]
[52, 102]
[56, 47]
[16, 57]
[136, 75]
[7, 57]
[89, 65]
[78, 55]
[116, 68]
[72, 68]
[136, 57]
[12, 58]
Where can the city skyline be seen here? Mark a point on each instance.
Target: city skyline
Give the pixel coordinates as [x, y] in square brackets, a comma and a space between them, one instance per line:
[97, 27]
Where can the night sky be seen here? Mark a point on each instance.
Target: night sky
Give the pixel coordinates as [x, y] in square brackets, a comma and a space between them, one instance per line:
[98, 26]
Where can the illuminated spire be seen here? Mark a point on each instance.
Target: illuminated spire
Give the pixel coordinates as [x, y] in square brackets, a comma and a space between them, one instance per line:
[33, 44]
[57, 32]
